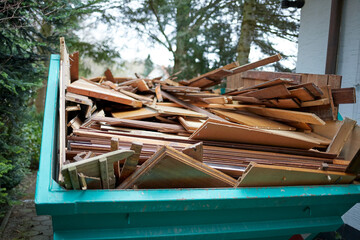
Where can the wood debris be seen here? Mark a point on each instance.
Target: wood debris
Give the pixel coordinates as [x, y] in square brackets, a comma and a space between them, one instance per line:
[275, 129]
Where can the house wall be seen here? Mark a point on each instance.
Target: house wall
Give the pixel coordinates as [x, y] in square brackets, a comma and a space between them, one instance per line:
[313, 38]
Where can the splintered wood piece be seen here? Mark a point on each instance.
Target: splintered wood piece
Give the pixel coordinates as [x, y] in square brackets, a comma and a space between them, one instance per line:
[75, 123]
[74, 66]
[141, 85]
[195, 151]
[109, 76]
[319, 102]
[74, 178]
[285, 103]
[189, 106]
[83, 183]
[265, 175]
[276, 91]
[114, 145]
[169, 168]
[104, 174]
[131, 163]
[341, 136]
[158, 93]
[73, 108]
[262, 62]
[246, 99]
[287, 115]
[302, 94]
[252, 120]
[344, 95]
[136, 114]
[354, 165]
[212, 74]
[86, 88]
[229, 132]
[178, 111]
[90, 167]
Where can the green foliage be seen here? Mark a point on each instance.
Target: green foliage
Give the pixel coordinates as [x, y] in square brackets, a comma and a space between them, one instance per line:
[29, 32]
[149, 66]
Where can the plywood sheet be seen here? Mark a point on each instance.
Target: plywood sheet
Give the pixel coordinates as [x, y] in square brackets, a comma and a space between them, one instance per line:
[136, 114]
[265, 175]
[169, 168]
[244, 134]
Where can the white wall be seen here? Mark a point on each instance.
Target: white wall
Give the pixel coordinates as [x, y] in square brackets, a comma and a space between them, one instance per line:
[314, 31]
[349, 55]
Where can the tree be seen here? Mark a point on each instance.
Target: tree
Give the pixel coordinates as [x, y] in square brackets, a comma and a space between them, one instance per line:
[203, 35]
[149, 66]
[29, 32]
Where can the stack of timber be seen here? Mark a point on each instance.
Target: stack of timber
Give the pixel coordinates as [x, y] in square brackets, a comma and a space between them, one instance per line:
[140, 133]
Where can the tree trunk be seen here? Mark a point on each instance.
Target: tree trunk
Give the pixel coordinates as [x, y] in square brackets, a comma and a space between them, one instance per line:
[247, 31]
[182, 38]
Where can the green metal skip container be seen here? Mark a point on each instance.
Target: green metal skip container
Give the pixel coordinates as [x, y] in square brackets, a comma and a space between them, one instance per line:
[242, 213]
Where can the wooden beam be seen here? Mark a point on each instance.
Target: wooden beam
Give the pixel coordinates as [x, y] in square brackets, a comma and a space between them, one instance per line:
[74, 66]
[195, 151]
[256, 64]
[131, 163]
[341, 136]
[104, 174]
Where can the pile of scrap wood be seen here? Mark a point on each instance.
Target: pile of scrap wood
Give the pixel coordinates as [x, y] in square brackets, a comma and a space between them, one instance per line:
[150, 133]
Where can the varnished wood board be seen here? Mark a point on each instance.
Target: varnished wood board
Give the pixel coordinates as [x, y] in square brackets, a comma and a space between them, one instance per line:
[252, 120]
[341, 136]
[287, 115]
[259, 175]
[276, 91]
[169, 168]
[243, 134]
[85, 88]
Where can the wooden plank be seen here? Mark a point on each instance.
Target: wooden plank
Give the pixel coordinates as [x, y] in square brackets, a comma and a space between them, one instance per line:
[131, 163]
[189, 106]
[195, 151]
[216, 100]
[311, 87]
[243, 134]
[302, 94]
[104, 174]
[319, 102]
[252, 120]
[341, 136]
[319, 80]
[75, 123]
[202, 82]
[211, 73]
[73, 108]
[354, 165]
[344, 95]
[169, 168]
[140, 85]
[83, 183]
[266, 76]
[191, 124]
[74, 66]
[270, 83]
[164, 110]
[245, 99]
[287, 115]
[140, 124]
[265, 175]
[136, 96]
[256, 64]
[136, 114]
[83, 87]
[114, 146]
[74, 178]
[276, 91]
[287, 103]
[158, 93]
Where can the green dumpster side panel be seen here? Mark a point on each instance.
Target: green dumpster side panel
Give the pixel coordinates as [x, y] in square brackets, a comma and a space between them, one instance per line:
[243, 213]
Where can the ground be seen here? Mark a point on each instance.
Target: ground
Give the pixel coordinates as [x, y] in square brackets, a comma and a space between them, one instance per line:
[23, 223]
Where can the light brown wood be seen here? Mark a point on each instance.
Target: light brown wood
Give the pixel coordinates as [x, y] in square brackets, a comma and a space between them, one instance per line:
[140, 85]
[75, 123]
[287, 115]
[74, 66]
[109, 76]
[169, 168]
[262, 62]
[229, 132]
[177, 111]
[136, 114]
[319, 102]
[191, 124]
[216, 100]
[85, 88]
[247, 99]
[265, 175]
[158, 93]
[341, 136]
[252, 120]
[114, 146]
[136, 96]
[302, 94]
[195, 151]
[276, 91]
[344, 95]
[287, 103]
